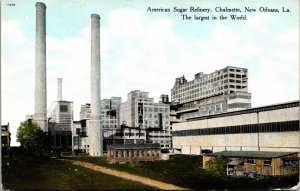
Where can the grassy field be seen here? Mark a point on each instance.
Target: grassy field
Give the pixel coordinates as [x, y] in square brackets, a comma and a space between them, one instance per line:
[26, 173]
[186, 171]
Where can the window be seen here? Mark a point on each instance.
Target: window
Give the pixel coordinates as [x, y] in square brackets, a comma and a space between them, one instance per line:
[250, 161]
[267, 162]
[63, 108]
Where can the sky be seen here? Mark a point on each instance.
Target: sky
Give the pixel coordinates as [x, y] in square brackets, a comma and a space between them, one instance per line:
[143, 50]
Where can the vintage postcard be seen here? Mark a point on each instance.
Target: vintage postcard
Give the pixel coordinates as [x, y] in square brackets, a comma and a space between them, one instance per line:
[146, 95]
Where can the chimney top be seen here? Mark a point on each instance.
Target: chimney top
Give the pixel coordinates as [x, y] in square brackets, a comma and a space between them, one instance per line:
[95, 16]
[40, 5]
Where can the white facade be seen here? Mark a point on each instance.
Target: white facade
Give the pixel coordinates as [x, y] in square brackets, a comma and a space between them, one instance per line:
[60, 119]
[108, 112]
[225, 81]
[140, 111]
[269, 128]
[60, 113]
[85, 111]
[221, 91]
[108, 119]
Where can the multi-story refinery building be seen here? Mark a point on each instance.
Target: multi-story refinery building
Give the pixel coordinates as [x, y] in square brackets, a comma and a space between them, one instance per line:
[224, 90]
[108, 112]
[60, 118]
[85, 111]
[140, 111]
[108, 120]
[60, 121]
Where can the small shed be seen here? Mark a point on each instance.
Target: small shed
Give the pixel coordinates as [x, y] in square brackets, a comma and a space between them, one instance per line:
[249, 163]
[134, 152]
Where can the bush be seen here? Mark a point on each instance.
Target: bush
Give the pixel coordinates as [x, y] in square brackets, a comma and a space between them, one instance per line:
[217, 165]
[32, 137]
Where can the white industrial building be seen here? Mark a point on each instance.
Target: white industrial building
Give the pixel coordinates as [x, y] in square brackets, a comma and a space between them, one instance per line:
[267, 128]
[108, 118]
[139, 113]
[108, 122]
[60, 121]
[224, 90]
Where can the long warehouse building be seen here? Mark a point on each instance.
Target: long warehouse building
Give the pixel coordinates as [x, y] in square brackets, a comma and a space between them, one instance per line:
[267, 128]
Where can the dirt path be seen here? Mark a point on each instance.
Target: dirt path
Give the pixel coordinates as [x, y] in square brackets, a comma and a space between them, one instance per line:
[125, 175]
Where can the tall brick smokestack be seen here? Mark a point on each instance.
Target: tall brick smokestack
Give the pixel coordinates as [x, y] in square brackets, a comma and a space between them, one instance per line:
[40, 113]
[96, 135]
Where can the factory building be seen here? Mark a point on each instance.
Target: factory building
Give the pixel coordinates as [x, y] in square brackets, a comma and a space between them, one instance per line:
[252, 163]
[224, 90]
[76, 139]
[140, 113]
[134, 152]
[60, 121]
[108, 120]
[108, 112]
[267, 128]
[5, 139]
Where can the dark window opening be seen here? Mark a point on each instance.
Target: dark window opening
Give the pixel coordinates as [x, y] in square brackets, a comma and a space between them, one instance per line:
[63, 108]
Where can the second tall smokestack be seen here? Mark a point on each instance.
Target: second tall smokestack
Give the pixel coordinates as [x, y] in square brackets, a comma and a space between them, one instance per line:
[96, 137]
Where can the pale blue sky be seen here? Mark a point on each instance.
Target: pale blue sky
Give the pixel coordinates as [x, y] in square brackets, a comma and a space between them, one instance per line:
[145, 51]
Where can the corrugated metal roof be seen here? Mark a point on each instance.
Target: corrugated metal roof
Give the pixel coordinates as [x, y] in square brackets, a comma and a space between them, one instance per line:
[134, 146]
[251, 154]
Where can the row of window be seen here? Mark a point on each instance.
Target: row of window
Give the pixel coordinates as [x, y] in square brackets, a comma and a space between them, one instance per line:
[204, 87]
[161, 110]
[126, 154]
[252, 161]
[254, 110]
[251, 128]
[239, 105]
[215, 76]
[240, 96]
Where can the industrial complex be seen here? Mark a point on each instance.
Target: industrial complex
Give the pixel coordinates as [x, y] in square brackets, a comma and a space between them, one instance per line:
[210, 115]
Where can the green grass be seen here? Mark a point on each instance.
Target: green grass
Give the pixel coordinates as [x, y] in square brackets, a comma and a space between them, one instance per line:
[186, 171]
[26, 173]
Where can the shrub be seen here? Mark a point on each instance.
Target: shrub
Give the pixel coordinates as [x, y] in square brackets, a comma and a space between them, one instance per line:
[217, 165]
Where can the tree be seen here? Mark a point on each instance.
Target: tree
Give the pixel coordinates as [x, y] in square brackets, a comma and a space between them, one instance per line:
[217, 165]
[31, 137]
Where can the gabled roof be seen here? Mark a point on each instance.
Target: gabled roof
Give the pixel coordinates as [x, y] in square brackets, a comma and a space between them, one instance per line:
[251, 154]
